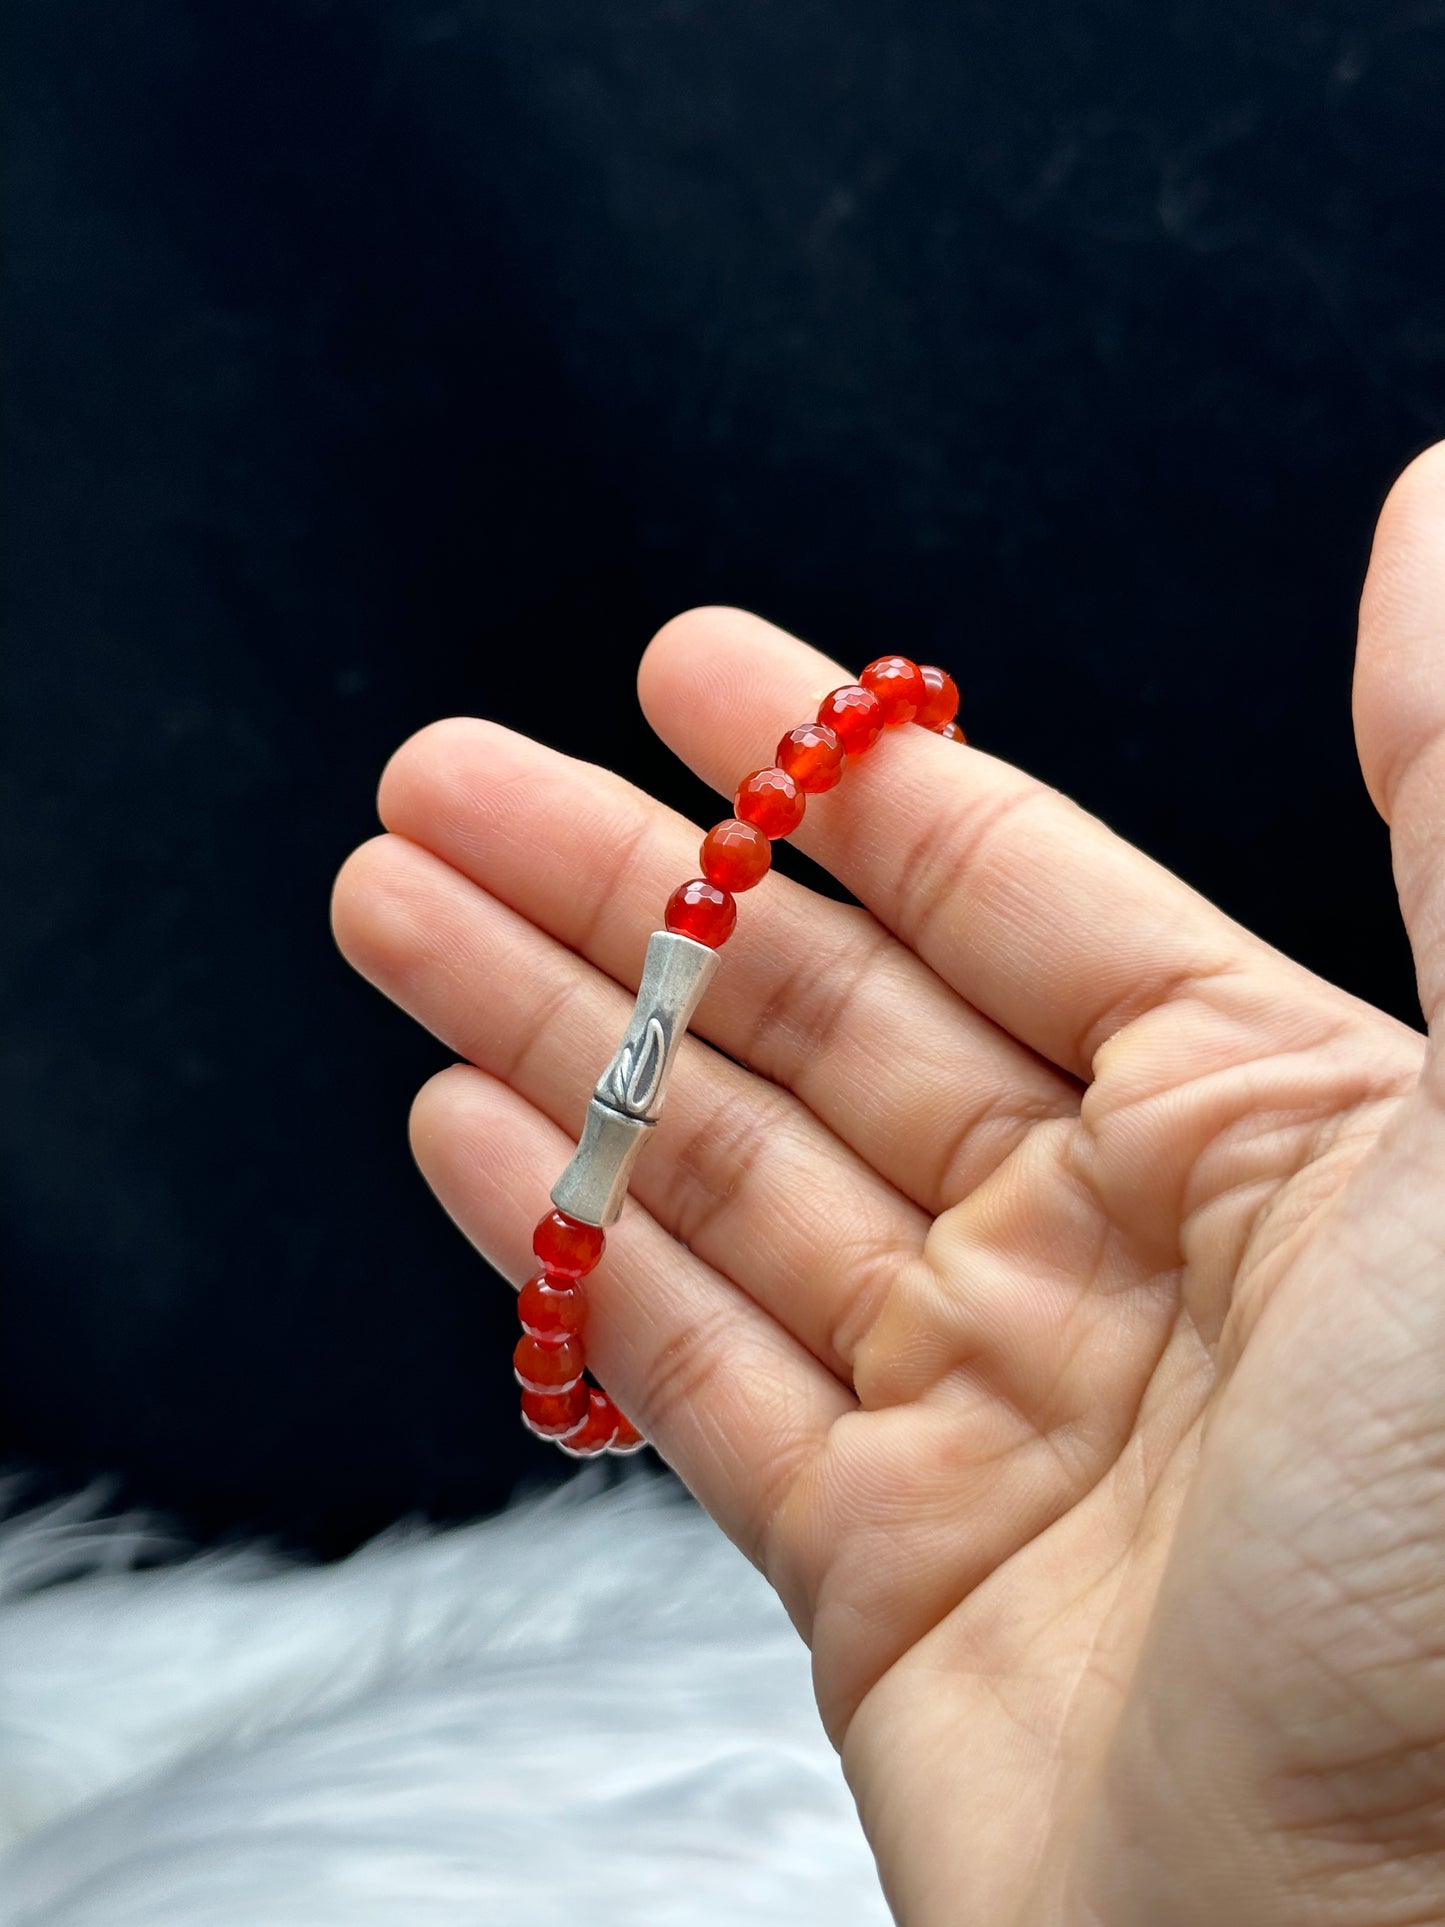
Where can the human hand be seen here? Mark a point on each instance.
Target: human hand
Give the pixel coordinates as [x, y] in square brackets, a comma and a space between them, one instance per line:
[1037, 1275]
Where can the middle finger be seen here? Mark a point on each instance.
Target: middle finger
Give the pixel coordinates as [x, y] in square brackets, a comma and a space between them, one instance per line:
[815, 995]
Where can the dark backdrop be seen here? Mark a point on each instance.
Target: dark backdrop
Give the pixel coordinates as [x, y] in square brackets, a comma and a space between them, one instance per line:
[374, 361]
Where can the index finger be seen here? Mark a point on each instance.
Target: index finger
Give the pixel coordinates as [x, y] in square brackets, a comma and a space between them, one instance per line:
[1032, 909]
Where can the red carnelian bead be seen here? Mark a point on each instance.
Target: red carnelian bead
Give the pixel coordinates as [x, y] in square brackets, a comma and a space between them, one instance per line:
[940, 701]
[735, 855]
[855, 716]
[701, 911]
[952, 732]
[566, 1247]
[812, 756]
[543, 1366]
[771, 799]
[597, 1430]
[551, 1307]
[628, 1438]
[897, 684]
[551, 1415]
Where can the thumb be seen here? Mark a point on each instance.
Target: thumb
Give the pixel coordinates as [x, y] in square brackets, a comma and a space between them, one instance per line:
[1400, 704]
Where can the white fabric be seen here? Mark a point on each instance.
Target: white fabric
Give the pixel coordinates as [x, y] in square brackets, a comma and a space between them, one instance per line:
[587, 1712]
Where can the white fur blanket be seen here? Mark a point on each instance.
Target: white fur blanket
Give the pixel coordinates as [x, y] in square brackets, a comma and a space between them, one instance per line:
[588, 1712]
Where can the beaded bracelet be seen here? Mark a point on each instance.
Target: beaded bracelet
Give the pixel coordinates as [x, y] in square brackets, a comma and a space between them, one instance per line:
[558, 1402]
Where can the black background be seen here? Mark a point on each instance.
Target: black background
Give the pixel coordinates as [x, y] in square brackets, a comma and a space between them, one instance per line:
[374, 362]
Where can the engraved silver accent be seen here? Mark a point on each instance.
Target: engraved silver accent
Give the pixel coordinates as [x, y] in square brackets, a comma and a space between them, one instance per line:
[635, 1076]
[675, 973]
[629, 1093]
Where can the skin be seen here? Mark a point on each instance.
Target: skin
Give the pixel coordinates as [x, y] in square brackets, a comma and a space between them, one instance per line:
[1038, 1276]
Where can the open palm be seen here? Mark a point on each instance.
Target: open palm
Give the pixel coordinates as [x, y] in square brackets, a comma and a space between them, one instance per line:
[1040, 1277]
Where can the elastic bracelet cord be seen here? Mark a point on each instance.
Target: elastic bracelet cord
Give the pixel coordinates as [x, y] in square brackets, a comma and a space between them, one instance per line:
[559, 1402]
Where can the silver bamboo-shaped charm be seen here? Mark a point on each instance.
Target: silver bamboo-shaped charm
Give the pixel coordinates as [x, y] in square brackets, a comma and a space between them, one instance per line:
[629, 1093]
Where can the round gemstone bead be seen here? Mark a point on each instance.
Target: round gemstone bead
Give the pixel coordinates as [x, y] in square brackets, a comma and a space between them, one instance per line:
[566, 1247]
[735, 855]
[547, 1365]
[551, 1307]
[812, 756]
[597, 1430]
[898, 685]
[628, 1438]
[855, 716]
[952, 732]
[701, 911]
[940, 701]
[552, 1415]
[771, 799]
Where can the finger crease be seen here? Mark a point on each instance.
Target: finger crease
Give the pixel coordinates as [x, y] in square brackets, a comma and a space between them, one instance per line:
[875, 1279]
[1005, 1122]
[1188, 980]
[612, 886]
[685, 1366]
[952, 851]
[801, 1017]
[717, 1160]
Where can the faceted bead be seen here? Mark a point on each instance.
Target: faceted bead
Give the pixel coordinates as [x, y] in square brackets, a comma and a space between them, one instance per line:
[543, 1366]
[551, 1415]
[940, 701]
[735, 855]
[952, 732]
[812, 756]
[897, 684]
[701, 911]
[551, 1307]
[855, 716]
[566, 1247]
[628, 1438]
[597, 1430]
[771, 799]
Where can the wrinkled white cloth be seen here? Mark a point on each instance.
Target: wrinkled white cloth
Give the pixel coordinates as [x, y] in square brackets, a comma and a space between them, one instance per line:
[588, 1711]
